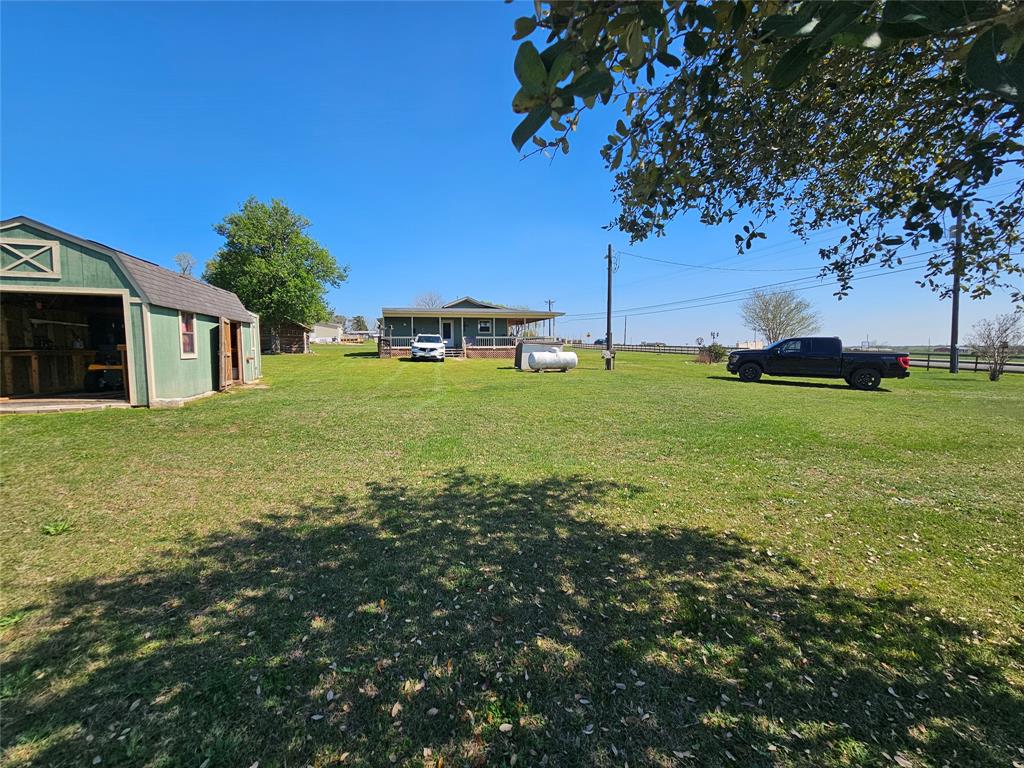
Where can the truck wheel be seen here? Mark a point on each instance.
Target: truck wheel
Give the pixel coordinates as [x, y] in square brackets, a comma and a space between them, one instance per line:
[750, 372]
[865, 378]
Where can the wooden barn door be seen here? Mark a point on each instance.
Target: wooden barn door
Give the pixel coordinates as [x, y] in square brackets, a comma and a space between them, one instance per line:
[226, 342]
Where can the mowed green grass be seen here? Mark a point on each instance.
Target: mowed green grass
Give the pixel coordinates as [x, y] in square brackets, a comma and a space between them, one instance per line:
[373, 562]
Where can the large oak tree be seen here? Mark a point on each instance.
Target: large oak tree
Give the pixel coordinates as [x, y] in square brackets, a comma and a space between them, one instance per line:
[277, 270]
[879, 121]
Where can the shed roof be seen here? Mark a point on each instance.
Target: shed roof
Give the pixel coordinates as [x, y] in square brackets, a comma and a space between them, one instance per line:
[169, 289]
[156, 284]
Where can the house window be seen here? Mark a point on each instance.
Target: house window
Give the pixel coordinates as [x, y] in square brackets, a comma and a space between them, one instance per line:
[483, 327]
[188, 334]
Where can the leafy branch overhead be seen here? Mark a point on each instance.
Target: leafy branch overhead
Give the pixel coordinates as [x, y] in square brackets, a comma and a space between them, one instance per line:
[881, 118]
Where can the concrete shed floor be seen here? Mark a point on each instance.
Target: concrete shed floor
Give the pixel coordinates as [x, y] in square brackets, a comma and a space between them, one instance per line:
[83, 402]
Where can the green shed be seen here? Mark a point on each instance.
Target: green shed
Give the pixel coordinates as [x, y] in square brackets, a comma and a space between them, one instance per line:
[81, 321]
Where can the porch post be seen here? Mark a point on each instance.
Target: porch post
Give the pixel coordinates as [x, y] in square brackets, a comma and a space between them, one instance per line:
[412, 331]
[462, 332]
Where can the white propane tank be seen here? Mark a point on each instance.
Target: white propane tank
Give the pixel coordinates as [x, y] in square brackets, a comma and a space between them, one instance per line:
[552, 361]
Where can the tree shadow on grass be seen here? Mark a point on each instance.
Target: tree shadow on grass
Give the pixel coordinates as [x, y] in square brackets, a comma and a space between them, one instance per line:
[482, 618]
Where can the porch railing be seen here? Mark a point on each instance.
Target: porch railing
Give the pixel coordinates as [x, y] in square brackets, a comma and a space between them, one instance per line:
[499, 342]
[397, 341]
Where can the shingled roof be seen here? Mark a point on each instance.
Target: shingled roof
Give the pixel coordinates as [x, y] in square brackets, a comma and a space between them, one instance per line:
[169, 289]
[158, 285]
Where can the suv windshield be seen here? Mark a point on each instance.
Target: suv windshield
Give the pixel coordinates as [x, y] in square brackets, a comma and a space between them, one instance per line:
[428, 339]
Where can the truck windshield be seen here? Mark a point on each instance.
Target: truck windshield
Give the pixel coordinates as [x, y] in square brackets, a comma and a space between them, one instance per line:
[427, 339]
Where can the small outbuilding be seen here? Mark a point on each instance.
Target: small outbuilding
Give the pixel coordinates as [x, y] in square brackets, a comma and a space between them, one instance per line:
[80, 320]
[292, 338]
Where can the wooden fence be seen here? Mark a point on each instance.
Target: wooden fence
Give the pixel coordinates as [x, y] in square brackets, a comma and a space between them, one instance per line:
[662, 349]
[927, 361]
[973, 363]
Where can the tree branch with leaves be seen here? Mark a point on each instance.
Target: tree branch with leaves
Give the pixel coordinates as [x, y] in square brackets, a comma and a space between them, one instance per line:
[881, 119]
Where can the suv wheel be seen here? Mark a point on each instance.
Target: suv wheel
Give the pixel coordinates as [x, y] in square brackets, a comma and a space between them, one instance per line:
[750, 372]
[865, 378]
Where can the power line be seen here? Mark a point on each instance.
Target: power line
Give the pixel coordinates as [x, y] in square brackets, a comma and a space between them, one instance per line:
[720, 269]
[882, 270]
[631, 310]
[632, 313]
[735, 299]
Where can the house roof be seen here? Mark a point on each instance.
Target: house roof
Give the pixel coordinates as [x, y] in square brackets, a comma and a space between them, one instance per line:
[474, 302]
[467, 306]
[156, 284]
[525, 314]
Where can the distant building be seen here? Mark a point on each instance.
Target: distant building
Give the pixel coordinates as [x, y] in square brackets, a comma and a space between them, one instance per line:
[293, 338]
[326, 333]
[468, 327]
[755, 344]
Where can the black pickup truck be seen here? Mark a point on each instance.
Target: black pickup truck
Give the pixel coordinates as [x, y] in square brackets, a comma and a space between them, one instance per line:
[819, 357]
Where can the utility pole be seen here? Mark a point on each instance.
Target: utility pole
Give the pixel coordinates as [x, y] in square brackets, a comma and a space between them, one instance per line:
[625, 320]
[954, 327]
[551, 320]
[608, 359]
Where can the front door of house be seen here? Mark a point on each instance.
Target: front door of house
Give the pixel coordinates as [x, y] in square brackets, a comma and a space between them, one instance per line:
[446, 332]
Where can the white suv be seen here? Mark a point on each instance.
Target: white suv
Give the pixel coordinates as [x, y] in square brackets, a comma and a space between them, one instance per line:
[428, 346]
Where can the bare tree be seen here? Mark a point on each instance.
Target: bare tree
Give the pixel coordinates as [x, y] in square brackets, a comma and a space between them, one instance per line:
[186, 263]
[429, 300]
[994, 339]
[778, 315]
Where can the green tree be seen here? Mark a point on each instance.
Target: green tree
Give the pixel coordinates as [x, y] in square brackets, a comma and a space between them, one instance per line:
[276, 269]
[359, 323]
[340, 320]
[881, 119]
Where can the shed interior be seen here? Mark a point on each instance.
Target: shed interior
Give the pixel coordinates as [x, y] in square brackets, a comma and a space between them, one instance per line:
[62, 344]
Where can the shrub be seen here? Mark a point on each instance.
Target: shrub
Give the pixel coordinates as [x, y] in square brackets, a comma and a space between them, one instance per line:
[714, 353]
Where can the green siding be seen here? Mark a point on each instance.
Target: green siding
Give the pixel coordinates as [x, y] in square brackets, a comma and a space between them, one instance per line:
[176, 378]
[399, 326]
[80, 267]
[138, 365]
[252, 367]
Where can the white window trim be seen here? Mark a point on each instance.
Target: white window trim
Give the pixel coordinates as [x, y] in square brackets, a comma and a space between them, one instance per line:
[490, 327]
[195, 337]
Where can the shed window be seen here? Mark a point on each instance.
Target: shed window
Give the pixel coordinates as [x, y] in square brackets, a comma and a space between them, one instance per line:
[188, 334]
[483, 326]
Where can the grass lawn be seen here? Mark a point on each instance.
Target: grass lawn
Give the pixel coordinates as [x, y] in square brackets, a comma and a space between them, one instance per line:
[372, 562]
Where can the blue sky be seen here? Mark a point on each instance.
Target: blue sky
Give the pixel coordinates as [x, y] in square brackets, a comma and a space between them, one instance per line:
[387, 125]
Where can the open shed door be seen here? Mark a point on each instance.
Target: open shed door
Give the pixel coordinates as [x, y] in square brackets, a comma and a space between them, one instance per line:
[225, 353]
